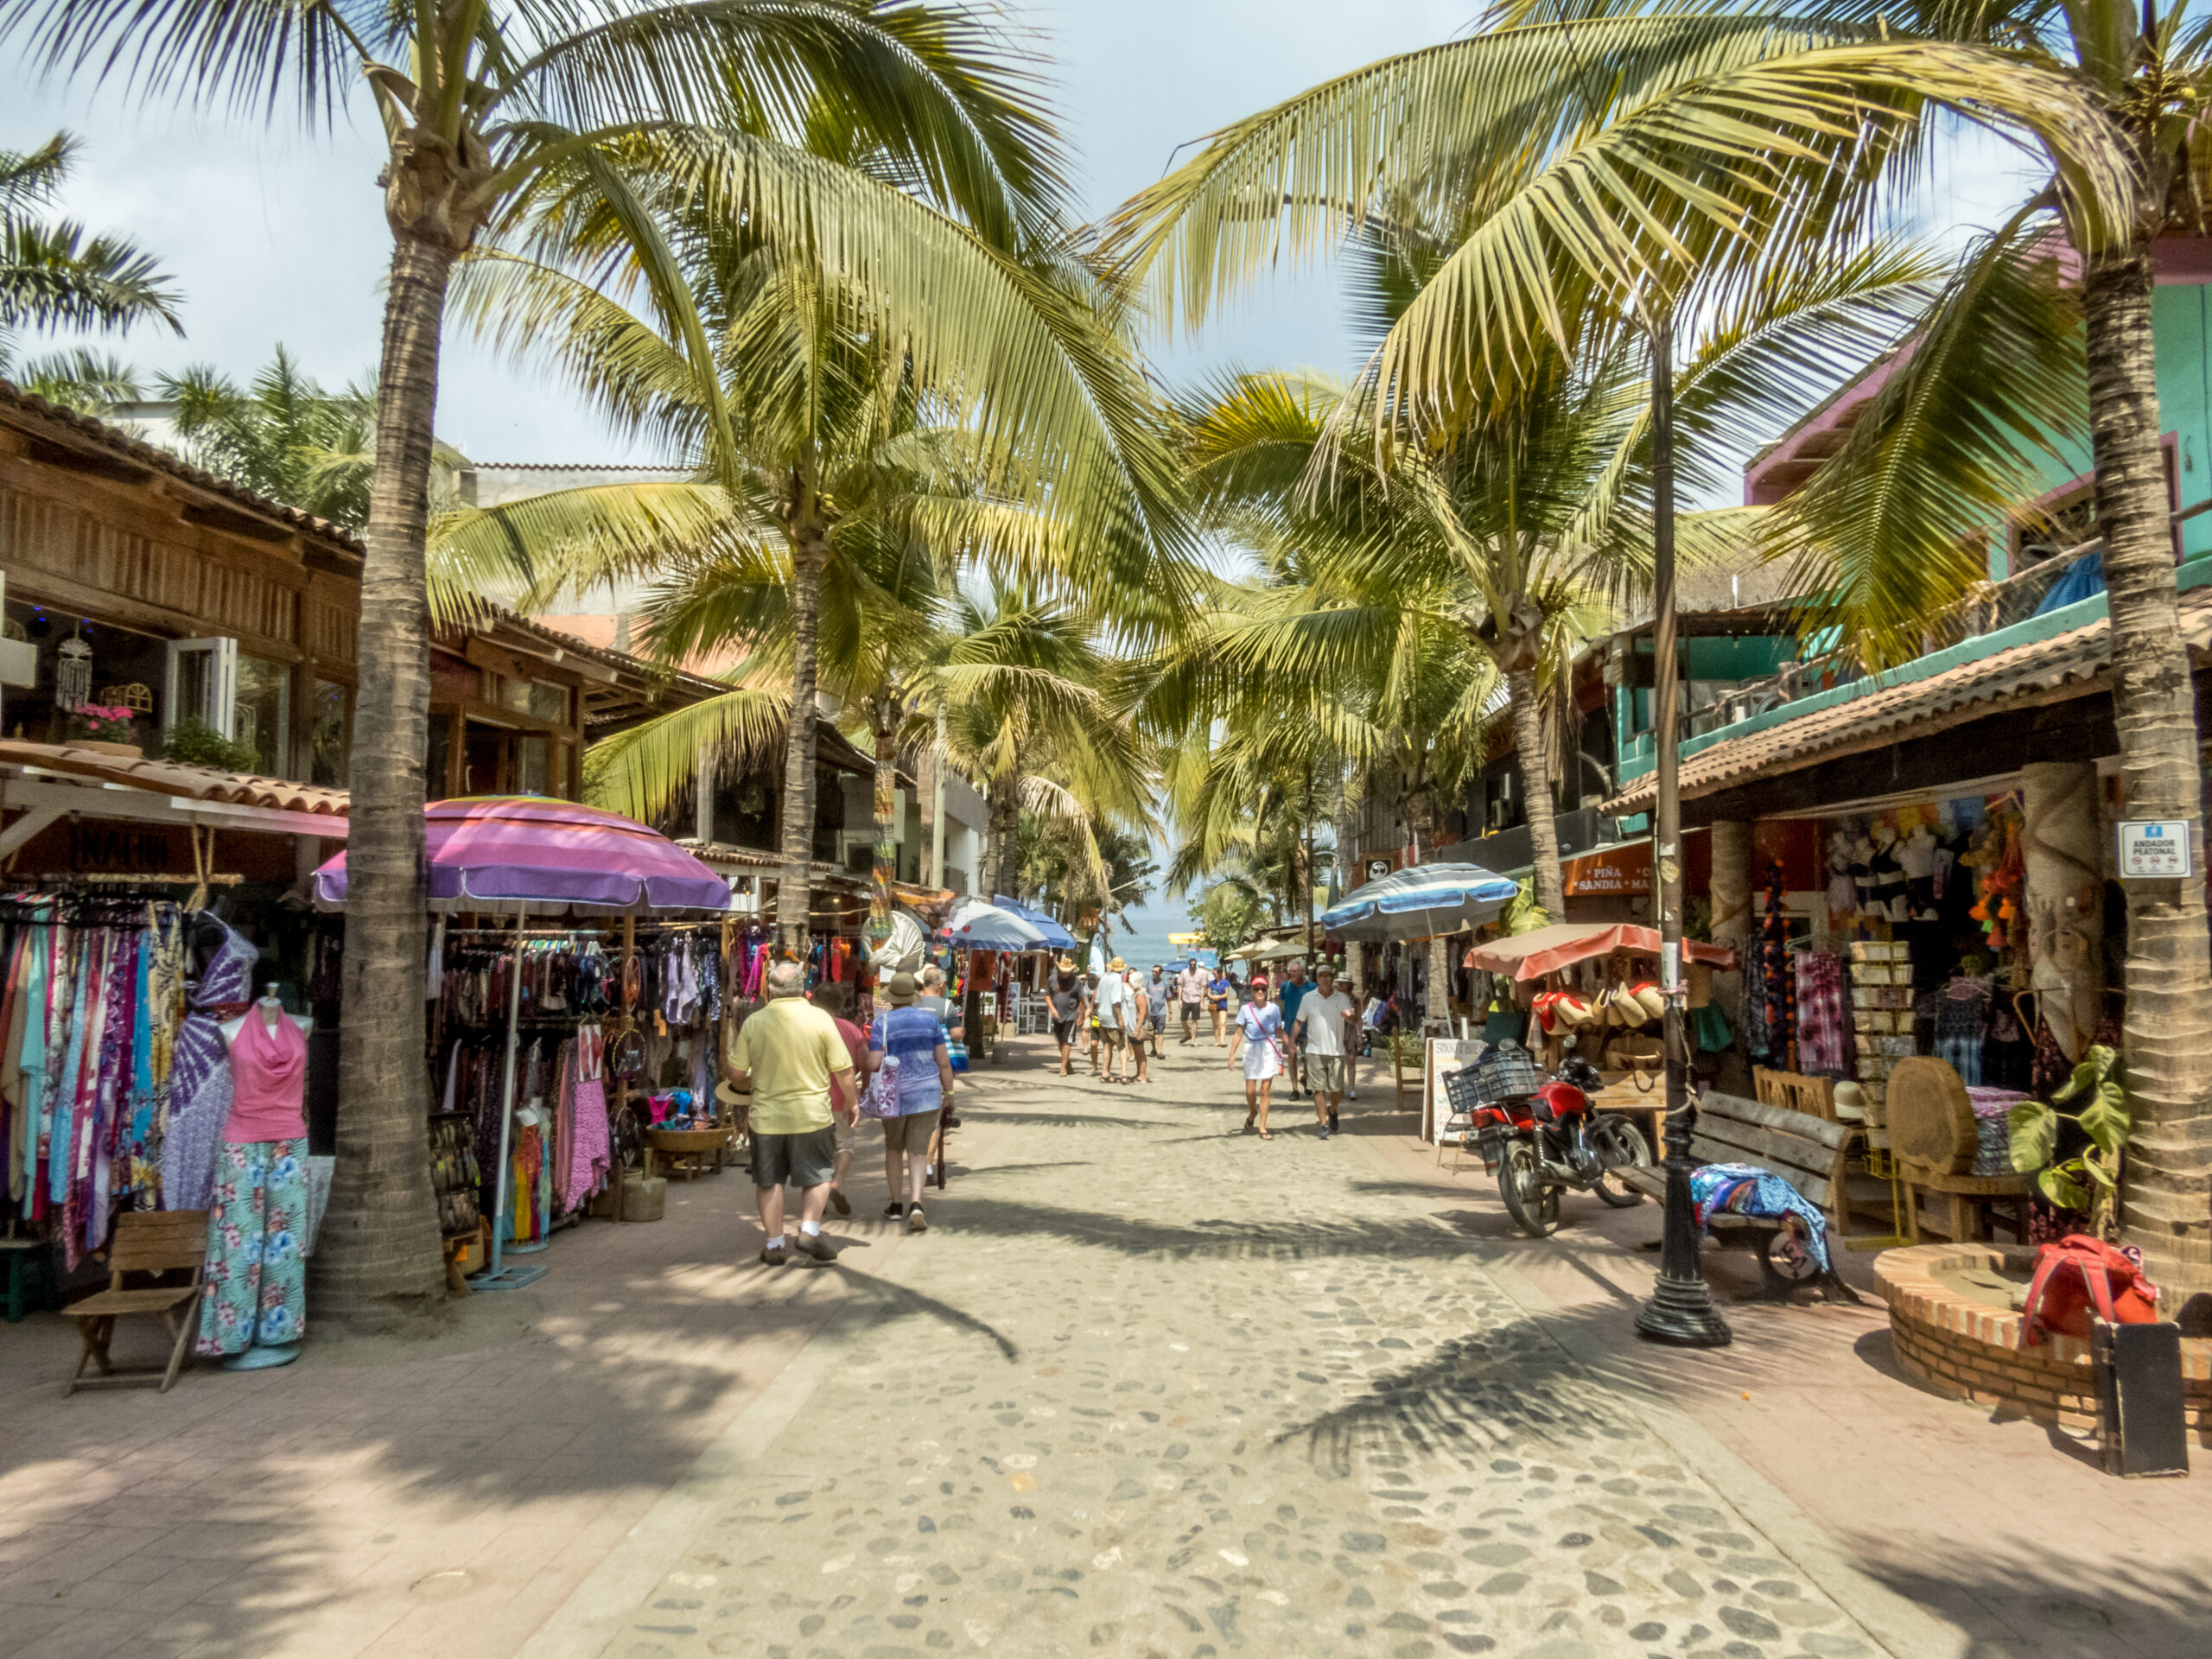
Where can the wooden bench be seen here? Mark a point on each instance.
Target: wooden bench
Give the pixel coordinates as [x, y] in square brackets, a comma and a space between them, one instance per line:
[1805, 1151]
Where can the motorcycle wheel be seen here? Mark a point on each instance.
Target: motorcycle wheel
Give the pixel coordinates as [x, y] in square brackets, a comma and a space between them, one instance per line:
[1617, 1145]
[1533, 1205]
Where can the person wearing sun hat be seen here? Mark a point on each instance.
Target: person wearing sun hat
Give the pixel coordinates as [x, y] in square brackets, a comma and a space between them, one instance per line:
[909, 1044]
[1259, 1025]
[1114, 1022]
[1065, 998]
[789, 1057]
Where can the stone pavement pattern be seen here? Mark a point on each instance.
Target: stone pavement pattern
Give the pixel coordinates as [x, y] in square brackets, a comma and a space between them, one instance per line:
[1151, 1387]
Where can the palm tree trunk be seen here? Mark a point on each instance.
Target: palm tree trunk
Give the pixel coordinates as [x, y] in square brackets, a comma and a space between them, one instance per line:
[883, 713]
[1535, 746]
[1004, 852]
[1312, 938]
[377, 1263]
[2167, 1208]
[795, 882]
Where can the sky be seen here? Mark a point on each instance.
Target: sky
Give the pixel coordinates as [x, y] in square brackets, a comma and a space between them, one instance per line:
[277, 235]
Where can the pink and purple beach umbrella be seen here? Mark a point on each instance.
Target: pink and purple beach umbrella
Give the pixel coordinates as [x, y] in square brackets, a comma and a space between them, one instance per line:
[502, 853]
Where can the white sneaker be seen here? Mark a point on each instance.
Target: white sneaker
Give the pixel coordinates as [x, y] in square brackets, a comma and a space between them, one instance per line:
[1352, 1094]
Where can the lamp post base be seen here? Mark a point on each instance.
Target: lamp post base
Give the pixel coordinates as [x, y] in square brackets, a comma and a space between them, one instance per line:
[1681, 1314]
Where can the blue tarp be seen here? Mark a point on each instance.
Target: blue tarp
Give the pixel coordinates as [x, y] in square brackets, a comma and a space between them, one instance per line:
[2085, 581]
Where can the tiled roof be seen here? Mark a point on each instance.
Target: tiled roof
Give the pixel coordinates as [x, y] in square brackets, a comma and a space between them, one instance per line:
[1886, 709]
[116, 441]
[170, 778]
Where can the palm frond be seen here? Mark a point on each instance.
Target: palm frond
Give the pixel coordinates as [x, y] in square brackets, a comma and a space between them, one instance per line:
[1891, 529]
[645, 772]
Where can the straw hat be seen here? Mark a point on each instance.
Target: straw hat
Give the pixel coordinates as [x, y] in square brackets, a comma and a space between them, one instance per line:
[1650, 999]
[727, 1093]
[1066, 965]
[900, 993]
[1116, 965]
[1850, 1103]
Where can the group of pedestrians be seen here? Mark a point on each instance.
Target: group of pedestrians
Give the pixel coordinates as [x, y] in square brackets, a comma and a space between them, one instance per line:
[1309, 1029]
[1123, 1014]
[807, 1067]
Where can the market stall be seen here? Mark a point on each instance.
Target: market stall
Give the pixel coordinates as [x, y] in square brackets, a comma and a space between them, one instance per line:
[518, 858]
[1595, 986]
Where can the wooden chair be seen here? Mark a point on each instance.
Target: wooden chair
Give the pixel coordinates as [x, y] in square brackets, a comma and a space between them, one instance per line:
[1934, 1137]
[145, 1241]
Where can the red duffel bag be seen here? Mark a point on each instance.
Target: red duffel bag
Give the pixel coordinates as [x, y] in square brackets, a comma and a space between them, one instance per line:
[2079, 1278]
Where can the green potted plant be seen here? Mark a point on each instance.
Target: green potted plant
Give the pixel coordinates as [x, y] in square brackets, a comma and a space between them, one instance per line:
[2089, 1180]
[103, 728]
[193, 743]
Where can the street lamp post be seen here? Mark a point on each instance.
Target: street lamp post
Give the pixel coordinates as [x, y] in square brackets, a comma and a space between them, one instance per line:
[1681, 1310]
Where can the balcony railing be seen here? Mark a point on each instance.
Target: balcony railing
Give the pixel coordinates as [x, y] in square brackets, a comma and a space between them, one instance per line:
[1990, 606]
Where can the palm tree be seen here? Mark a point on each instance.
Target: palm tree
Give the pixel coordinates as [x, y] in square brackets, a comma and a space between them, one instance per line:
[281, 436]
[53, 276]
[1032, 708]
[1651, 130]
[490, 112]
[2019, 352]
[2015, 373]
[1012, 684]
[847, 508]
[1524, 524]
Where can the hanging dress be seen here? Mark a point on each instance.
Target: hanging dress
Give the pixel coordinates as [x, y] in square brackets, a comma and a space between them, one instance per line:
[589, 1153]
[200, 1078]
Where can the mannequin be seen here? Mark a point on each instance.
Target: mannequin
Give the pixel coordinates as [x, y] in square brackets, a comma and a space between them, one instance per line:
[255, 1310]
[1917, 854]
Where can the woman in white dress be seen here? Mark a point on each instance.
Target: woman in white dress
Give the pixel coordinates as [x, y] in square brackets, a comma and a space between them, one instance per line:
[1259, 1025]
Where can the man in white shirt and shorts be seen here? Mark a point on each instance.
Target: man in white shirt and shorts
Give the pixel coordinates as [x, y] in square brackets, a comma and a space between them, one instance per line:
[1323, 1032]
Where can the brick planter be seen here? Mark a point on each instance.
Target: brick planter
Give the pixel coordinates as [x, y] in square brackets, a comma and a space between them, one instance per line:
[1968, 1350]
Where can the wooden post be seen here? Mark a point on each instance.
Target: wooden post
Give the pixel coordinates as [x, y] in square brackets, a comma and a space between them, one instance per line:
[2064, 897]
[1732, 927]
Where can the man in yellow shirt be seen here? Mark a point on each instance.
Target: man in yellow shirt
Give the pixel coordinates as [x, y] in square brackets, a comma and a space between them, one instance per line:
[791, 1055]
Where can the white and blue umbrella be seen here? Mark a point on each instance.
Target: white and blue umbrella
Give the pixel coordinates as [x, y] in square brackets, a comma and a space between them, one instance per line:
[978, 926]
[1419, 902]
[1056, 936]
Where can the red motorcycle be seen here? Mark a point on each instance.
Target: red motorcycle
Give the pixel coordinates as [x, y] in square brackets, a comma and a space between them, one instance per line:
[1540, 1136]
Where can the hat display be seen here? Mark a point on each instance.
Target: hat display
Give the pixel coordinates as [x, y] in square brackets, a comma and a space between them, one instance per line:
[900, 993]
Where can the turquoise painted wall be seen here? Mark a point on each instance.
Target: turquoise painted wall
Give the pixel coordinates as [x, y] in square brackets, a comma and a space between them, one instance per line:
[2181, 320]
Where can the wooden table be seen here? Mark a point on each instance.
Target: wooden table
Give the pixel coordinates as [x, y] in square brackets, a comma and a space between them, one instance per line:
[690, 1152]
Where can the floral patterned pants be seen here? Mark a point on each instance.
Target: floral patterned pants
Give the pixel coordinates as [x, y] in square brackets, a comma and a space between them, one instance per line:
[256, 1272]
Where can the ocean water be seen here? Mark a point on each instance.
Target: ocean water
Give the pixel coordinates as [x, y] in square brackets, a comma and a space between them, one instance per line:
[1141, 939]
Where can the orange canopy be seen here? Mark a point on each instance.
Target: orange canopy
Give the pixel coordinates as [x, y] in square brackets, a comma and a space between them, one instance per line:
[1548, 949]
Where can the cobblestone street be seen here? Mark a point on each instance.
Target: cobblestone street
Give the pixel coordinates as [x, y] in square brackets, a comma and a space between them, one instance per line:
[1154, 1387]
[1148, 1386]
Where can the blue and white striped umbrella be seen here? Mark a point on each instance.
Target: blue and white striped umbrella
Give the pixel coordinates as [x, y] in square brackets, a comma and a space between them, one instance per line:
[1418, 902]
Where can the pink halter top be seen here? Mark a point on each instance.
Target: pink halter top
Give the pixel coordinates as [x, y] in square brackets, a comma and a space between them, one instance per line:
[269, 1079]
